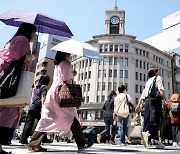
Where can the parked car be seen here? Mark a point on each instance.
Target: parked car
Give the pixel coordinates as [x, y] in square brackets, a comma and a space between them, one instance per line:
[91, 134]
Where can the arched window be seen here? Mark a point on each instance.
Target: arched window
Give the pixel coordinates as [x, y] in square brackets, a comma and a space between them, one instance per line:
[111, 48]
[126, 48]
[116, 48]
[121, 48]
[100, 48]
[106, 48]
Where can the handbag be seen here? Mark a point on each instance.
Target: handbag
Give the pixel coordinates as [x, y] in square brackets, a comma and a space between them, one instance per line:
[23, 94]
[122, 108]
[130, 105]
[9, 81]
[69, 95]
[153, 92]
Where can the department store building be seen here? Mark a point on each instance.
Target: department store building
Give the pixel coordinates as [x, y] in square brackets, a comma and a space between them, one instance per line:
[125, 61]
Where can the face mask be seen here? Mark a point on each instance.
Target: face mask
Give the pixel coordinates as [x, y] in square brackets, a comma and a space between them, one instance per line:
[34, 37]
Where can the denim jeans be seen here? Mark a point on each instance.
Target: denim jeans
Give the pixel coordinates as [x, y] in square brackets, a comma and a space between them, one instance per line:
[175, 131]
[124, 123]
[108, 123]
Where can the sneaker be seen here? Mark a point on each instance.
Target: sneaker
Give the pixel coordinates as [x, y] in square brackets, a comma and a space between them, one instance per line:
[174, 145]
[23, 142]
[4, 152]
[99, 138]
[159, 145]
[112, 142]
[7, 143]
[123, 144]
[144, 136]
[69, 141]
[86, 146]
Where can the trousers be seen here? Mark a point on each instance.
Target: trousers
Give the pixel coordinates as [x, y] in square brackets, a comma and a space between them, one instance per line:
[108, 123]
[152, 116]
[31, 117]
[75, 128]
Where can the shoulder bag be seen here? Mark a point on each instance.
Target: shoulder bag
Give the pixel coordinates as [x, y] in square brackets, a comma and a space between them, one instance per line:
[130, 105]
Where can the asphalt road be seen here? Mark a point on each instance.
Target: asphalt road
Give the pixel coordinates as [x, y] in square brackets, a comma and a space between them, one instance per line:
[70, 148]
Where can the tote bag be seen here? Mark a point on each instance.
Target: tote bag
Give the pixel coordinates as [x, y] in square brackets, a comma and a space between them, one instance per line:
[10, 77]
[122, 108]
[23, 95]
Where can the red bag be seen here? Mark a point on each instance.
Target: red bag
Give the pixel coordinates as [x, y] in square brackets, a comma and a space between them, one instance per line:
[69, 95]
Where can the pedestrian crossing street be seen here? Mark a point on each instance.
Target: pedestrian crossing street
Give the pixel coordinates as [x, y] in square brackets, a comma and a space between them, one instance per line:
[70, 148]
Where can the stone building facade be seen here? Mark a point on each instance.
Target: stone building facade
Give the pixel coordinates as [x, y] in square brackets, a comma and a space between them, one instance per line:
[125, 61]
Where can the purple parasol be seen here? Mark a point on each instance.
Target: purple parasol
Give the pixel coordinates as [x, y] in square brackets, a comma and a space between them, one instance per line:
[43, 23]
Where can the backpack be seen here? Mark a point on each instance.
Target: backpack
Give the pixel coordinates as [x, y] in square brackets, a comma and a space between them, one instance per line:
[122, 108]
[153, 92]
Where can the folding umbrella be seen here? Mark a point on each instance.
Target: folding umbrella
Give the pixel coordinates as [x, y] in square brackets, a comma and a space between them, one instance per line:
[43, 23]
[78, 48]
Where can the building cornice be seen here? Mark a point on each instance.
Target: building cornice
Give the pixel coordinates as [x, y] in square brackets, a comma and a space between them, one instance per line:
[132, 38]
[114, 35]
[151, 47]
[112, 11]
[110, 36]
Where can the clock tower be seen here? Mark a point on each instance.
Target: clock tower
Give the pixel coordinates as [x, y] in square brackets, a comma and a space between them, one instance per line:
[115, 21]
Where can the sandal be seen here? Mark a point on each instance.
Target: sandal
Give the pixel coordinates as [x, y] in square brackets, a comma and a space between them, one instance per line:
[36, 149]
[40, 149]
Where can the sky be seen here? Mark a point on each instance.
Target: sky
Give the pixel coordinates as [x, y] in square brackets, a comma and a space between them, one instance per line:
[86, 18]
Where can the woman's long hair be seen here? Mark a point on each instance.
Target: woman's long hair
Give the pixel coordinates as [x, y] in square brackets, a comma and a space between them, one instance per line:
[60, 56]
[44, 80]
[25, 29]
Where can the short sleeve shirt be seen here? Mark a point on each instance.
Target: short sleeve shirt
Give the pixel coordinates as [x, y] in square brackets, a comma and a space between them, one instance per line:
[122, 97]
[159, 85]
[36, 100]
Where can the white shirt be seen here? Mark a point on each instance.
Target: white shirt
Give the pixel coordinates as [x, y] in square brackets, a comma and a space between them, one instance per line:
[122, 97]
[159, 85]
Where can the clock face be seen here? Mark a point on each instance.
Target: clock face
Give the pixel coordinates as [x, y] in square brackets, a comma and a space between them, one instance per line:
[114, 20]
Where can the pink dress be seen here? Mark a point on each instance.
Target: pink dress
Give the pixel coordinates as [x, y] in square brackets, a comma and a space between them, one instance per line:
[54, 118]
[18, 47]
